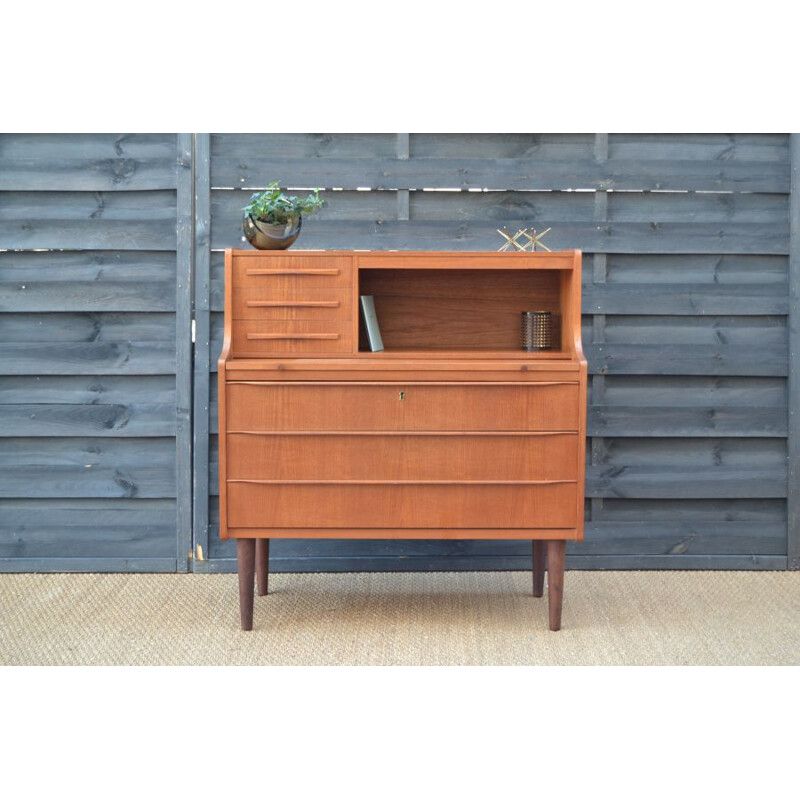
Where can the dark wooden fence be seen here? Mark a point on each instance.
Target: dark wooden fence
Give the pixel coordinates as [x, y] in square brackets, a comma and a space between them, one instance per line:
[95, 325]
[690, 326]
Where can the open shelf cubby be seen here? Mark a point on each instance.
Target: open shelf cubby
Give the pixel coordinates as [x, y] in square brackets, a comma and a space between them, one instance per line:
[463, 311]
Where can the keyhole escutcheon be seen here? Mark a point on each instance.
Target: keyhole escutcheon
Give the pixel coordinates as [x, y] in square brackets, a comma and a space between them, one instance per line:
[402, 395]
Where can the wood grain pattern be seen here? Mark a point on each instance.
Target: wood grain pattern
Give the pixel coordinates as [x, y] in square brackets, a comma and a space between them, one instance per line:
[433, 457]
[335, 406]
[342, 505]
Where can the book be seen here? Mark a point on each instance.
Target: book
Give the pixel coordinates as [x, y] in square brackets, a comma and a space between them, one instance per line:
[371, 323]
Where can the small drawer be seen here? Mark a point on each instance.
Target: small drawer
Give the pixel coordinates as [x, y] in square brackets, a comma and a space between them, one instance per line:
[295, 337]
[302, 303]
[287, 273]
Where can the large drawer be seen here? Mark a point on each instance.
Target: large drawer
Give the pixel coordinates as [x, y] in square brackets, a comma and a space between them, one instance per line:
[403, 407]
[403, 457]
[332, 505]
[296, 337]
[287, 273]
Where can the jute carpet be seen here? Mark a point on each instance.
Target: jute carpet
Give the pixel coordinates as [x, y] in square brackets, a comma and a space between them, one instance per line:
[435, 618]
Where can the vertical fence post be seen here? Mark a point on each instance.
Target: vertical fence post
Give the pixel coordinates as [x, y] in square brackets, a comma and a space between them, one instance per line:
[403, 152]
[793, 322]
[183, 351]
[599, 263]
[202, 311]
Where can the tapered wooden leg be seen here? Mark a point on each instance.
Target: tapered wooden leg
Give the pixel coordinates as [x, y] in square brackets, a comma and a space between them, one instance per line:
[556, 549]
[246, 560]
[538, 567]
[262, 566]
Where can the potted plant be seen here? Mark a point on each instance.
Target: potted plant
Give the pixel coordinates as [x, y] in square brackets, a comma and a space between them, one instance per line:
[272, 219]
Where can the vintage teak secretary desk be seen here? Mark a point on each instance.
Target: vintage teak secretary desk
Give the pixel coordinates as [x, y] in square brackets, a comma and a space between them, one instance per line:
[451, 432]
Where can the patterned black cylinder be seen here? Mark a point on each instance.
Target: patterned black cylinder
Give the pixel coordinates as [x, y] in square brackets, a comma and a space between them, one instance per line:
[537, 330]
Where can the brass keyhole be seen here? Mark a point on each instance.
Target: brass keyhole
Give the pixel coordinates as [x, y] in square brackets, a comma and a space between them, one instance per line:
[402, 395]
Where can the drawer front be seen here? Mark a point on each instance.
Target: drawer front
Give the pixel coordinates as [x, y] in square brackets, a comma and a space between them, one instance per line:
[291, 273]
[298, 337]
[254, 505]
[410, 407]
[492, 408]
[402, 457]
[303, 303]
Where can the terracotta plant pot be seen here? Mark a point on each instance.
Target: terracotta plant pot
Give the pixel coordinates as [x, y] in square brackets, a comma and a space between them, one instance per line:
[268, 236]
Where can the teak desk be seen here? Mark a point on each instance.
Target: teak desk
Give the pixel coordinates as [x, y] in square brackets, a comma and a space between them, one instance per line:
[451, 432]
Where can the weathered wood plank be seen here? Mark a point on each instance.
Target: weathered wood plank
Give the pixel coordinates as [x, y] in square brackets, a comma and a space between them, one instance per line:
[545, 208]
[765, 332]
[10, 565]
[658, 208]
[689, 452]
[86, 174]
[140, 390]
[690, 299]
[202, 302]
[793, 441]
[183, 349]
[519, 174]
[97, 283]
[682, 538]
[91, 281]
[627, 539]
[473, 563]
[61, 207]
[695, 390]
[109, 295]
[87, 467]
[52, 528]
[91, 327]
[607, 420]
[96, 234]
[300, 145]
[87, 145]
[88, 220]
[678, 359]
[695, 511]
[680, 269]
[626, 146]
[619, 237]
[697, 482]
[62, 419]
[88, 358]
[711, 147]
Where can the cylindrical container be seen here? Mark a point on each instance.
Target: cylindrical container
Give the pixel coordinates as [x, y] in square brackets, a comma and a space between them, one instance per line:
[537, 330]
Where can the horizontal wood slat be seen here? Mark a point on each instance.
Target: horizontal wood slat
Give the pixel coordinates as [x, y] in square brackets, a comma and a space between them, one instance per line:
[615, 237]
[100, 528]
[520, 174]
[87, 467]
[689, 299]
